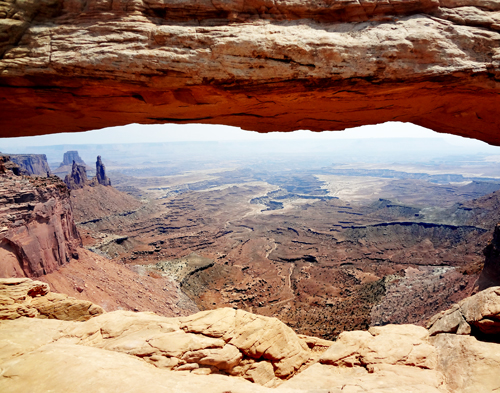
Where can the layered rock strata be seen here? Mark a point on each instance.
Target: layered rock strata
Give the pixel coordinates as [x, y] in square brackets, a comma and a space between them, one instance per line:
[37, 231]
[207, 350]
[283, 65]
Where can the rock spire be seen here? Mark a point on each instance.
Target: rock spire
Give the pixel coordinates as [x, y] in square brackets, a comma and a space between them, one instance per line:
[100, 173]
[77, 178]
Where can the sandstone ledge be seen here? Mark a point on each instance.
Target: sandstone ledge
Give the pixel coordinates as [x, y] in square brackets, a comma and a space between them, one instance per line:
[22, 297]
[206, 351]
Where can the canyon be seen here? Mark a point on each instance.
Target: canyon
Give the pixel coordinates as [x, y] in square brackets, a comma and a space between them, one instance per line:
[323, 248]
[345, 255]
[261, 271]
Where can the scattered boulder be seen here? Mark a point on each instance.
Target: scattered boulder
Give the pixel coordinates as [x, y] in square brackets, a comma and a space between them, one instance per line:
[22, 297]
[478, 315]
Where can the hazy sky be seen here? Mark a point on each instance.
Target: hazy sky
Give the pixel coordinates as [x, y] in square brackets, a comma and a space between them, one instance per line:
[135, 133]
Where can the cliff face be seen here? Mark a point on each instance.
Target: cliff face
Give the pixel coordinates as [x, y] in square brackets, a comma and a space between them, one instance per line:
[37, 231]
[32, 164]
[282, 65]
[490, 276]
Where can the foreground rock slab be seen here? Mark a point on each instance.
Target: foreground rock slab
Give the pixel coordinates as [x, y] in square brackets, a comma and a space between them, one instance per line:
[228, 350]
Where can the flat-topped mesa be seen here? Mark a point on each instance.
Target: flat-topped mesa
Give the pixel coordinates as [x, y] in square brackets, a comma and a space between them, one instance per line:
[32, 164]
[77, 178]
[327, 65]
[70, 157]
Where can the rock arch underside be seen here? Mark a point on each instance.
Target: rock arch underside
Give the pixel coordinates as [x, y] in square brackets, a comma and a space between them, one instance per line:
[263, 65]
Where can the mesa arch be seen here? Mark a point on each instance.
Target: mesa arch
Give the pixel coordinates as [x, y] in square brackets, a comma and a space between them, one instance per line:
[263, 65]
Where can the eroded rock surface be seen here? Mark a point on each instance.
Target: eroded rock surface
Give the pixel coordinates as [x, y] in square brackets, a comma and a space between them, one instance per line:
[205, 351]
[37, 231]
[22, 297]
[477, 315]
[77, 178]
[469, 365]
[285, 65]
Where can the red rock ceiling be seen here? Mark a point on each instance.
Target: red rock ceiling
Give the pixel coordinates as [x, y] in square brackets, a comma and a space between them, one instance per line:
[73, 65]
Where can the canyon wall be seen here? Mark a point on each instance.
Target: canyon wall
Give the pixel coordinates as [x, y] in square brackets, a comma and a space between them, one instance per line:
[74, 65]
[37, 230]
[32, 164]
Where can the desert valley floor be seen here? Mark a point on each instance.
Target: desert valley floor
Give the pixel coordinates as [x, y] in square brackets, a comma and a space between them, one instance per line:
[325, 244]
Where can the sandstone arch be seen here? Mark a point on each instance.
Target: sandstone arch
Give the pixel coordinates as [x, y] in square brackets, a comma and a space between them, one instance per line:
[264, 65]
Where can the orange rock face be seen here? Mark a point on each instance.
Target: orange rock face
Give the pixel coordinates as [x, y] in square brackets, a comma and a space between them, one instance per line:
[265, 66]
[37, 231]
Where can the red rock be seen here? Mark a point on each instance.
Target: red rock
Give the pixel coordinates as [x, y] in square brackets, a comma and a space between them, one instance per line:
[319, 65]
[100, 174]
[37, 225]
[77, 178]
